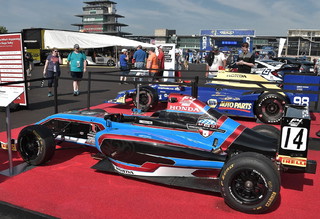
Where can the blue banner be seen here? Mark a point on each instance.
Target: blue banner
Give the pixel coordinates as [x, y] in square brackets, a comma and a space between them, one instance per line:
[227, 32]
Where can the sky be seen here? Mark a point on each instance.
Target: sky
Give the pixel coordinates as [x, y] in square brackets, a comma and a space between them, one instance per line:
[187, 17]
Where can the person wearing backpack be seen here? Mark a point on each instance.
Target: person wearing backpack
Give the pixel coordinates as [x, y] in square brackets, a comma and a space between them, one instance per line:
[77, 61]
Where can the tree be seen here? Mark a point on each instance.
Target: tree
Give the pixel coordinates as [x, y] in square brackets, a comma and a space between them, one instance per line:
[3, 29]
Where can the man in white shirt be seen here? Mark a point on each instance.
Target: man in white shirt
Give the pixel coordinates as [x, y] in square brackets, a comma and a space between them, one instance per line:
[219, 61]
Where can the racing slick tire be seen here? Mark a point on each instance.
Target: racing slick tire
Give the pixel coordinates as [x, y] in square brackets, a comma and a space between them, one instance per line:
[36, 144]
[268, 130]
[148, 99]
[270, 107]
[250, 183]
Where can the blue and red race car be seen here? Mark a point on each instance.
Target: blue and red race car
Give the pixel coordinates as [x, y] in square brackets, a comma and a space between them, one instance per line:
[252, 100]
[189, 144]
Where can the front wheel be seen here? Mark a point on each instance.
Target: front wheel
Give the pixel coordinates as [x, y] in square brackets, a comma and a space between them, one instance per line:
[36, 144]
[250, 183]
[270, 107]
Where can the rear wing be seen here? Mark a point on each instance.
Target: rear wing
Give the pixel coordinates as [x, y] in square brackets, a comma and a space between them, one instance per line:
[293, 147]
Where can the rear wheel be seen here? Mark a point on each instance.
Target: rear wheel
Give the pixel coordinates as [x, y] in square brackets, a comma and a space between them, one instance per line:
[250, 183]
[148, 99]
[270, 107]
[36, 144]
[267, 130]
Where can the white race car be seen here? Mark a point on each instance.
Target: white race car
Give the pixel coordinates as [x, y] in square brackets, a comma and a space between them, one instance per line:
[266, 69]
[101, 60]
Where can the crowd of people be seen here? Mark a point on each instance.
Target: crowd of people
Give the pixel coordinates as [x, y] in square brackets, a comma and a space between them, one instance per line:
[150, 60]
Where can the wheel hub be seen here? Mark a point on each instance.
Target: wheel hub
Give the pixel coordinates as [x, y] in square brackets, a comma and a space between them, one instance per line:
[248, 184]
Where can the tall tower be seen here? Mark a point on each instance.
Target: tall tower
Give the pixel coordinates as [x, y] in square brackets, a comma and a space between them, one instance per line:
[101, 17]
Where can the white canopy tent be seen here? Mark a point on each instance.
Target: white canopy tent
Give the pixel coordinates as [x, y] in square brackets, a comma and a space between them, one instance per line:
[66, 39]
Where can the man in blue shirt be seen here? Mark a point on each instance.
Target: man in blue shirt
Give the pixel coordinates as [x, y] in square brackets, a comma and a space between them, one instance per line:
[124, 58]
[140, 57]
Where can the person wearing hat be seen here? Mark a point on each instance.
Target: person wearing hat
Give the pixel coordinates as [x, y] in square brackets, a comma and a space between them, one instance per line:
[216, 61]
[246, 59]
[124, 58]
[77, 61]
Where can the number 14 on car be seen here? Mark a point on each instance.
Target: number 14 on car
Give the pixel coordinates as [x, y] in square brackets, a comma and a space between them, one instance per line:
[294, 138]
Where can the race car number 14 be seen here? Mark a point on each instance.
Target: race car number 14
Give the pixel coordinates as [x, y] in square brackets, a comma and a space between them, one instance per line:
[294, 138]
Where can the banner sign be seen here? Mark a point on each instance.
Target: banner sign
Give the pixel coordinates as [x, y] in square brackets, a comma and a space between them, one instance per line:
[169, 61]
[205, 43]
[227, 33]
[12, 64]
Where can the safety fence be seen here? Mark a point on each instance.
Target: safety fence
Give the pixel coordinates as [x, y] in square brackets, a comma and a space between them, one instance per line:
[196, 82]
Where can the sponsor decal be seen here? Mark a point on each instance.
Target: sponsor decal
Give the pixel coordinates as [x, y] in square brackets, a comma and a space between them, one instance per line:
[123, 171]
[13, 145]
[186, 100]
[295, 122]
[121, 99]
[205, 133]
[184, 108]
[210, 123]
[235, 105]
[236, 76]
[206, 123]
[231, 98]
[145, 122]
[293, 161]
[185, 105]
[212, 103]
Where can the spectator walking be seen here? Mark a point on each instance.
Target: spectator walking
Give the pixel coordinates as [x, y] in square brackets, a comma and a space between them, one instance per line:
[78, 65]
[178, 65]
[124, 58]
[139, 57]
[160, 60]
[28, 64]
[152, 63]
[52, 68]
[216, 60]
[246, 59]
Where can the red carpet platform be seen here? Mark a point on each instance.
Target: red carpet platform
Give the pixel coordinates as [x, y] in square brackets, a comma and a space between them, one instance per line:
[67, 187]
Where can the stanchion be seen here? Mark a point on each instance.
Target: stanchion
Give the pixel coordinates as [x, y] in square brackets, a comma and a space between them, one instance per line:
[89, 91]
[9, 140]
[55, 92]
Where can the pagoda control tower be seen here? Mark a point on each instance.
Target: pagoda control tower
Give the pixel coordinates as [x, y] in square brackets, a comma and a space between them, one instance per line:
[101, 17]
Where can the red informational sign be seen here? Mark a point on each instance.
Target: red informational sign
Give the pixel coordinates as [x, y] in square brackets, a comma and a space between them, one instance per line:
[11, 63]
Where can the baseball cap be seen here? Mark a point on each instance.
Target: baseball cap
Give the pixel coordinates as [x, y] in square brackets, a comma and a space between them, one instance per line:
[124, 50]
[215, 48]
[76, 46]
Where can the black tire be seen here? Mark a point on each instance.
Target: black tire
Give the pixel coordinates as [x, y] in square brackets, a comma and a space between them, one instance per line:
[110, 63]
[270, 107]
[268, 130]
[36, 144]
[148, 99]
[250, 183]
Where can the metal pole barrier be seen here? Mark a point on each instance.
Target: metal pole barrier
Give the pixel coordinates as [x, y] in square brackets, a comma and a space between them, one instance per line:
[89, 91]
[194, 89]
[55, 94]
[9, 140]
[138, 96]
